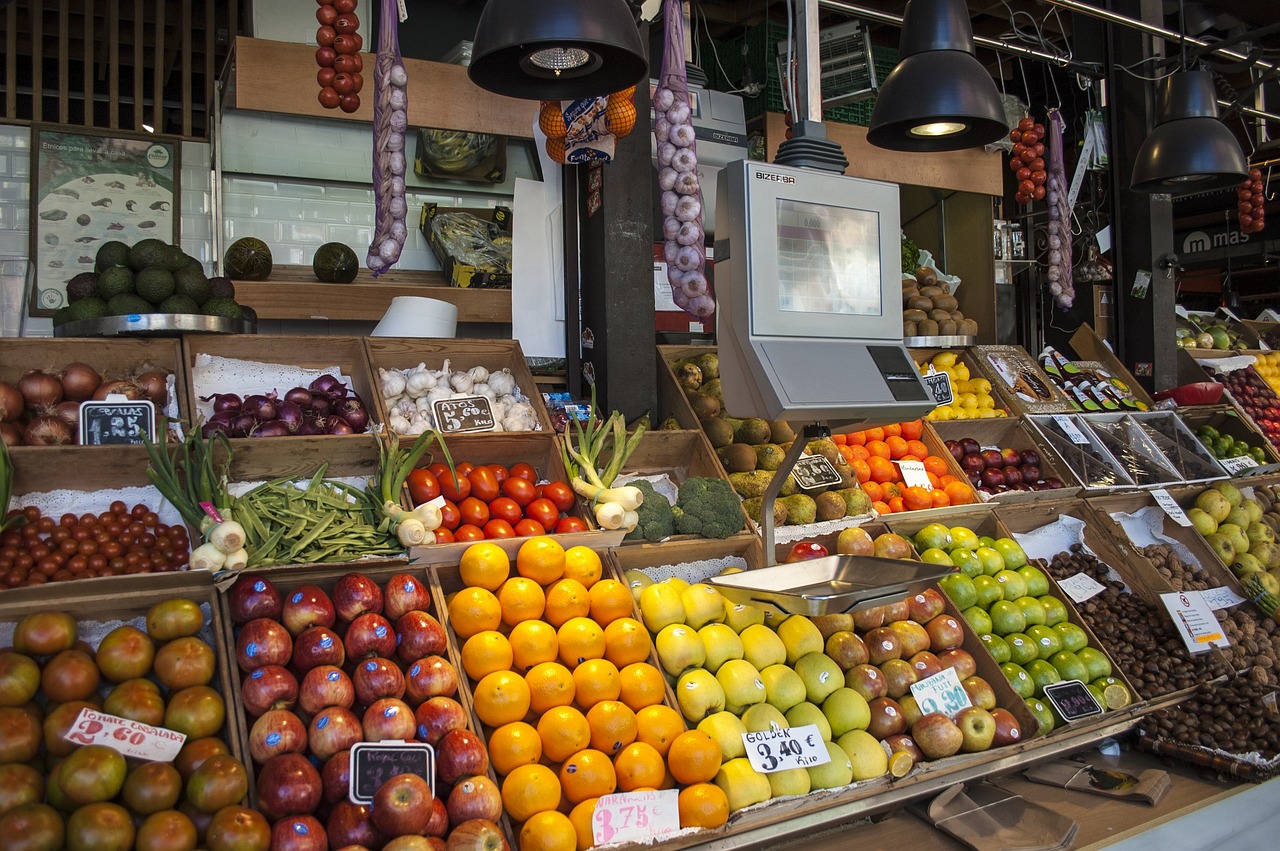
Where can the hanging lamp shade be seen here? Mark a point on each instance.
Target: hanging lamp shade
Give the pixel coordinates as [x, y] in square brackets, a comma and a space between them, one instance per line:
[938, 97]
[1189, 149]
[556, 49]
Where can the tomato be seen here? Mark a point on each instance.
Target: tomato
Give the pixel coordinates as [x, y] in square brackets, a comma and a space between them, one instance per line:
[346, 23]
[570, 524]
[350, 103]
[524, 471]
[506, 509]
[344, 84]
[527, 528]
[440, 471]
[455, 490]
[560, 494]
[324, 37]
[444, 536]
[325, 57]
[325, 77]
[344, 7]
[500, 472]
[544, 511]
[423, 485]
[484, 485]
[348, 63]
[328, 97]
[467, 532]
[518, 489]
[326, 15]
[474, 511]
[347, 42]
[450, 516]
[499, 529]
[465, 468]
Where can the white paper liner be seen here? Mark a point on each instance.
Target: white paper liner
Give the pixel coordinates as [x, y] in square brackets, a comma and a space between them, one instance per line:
[93, 631]
[791, 534]
[57, 503]
[1059, 537]
[694, 572]
[1228, 364]
[1145, 527]
[214, 374]
[662, 483]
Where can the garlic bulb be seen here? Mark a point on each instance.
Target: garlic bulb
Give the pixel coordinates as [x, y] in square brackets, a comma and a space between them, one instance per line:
[462, 382]
[438, 392]
[479, 375]
[419, 380]
[393, 382]
[502, 383]
[484, 390]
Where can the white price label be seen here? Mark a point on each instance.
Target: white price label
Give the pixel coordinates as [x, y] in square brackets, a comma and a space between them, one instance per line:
[1195, 621]
[635, 816]
[1070, 430]
[914, 475]
[1081, 587]
[1221, 598]
[778, 750]
[1166, 501]
[941, 693]
[131, 738]
[1238, 464]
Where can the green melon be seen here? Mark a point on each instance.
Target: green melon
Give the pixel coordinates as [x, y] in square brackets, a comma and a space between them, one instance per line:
[247, 259]
[335, 263]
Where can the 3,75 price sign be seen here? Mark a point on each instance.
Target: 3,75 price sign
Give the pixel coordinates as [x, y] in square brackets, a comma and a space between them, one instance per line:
[635, 816]
[778, 750]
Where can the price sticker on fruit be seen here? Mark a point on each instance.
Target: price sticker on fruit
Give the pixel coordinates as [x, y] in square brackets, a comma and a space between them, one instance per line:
[635, 816]
[941, 693]
[130, 738]
[778, 750]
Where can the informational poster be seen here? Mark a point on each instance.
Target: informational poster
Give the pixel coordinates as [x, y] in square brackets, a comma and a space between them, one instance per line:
[91, 188]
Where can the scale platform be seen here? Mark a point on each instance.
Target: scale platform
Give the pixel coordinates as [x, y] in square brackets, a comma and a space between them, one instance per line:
[829, 585]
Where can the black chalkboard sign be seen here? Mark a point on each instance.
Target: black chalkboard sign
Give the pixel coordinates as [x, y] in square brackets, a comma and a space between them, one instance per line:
[116, 422]
[374, 763]
[1072, 700]
[467, 413]
[939, 385]
[814, 471]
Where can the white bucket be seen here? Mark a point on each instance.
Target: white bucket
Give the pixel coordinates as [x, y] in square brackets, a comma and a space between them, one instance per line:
[413, 316]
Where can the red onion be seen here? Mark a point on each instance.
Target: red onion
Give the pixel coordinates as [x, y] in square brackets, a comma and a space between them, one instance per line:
[47, 431]
[261, 408]
[242, 425]
[312, 426]
[127, 389]
[337, 425]
[321, 405]
[271, 428]
[40, 389]
[156, 385]
[299, 396]
[330, 386]
[79, 381]
[290, 414]
[11, 404]
[354, 413]
[214, 427]
[10, 434]
[69, 413]
[223, 401]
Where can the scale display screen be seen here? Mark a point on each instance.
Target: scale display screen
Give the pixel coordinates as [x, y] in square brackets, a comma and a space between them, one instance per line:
[828, 259]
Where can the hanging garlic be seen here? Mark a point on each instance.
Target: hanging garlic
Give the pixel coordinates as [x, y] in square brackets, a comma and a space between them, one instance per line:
[478, 374]
[484, 390]
[462, 382]
[420, 380]
[502, 382]
[393, 382]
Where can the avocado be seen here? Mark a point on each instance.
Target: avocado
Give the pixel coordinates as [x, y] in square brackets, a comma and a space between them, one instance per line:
[111, 253]
[801, 508]
[221, 287]
[178, 303]
[753, 431]
[738, 458]
[224, 307]
[127, 303]
[154, 283]
[719, 431]
[82, 285]
[191, 282]
[148, 252]
[830, 506]
[768, 456]
[176, 259]
[86, 308]
[115, 280]
[62, 315]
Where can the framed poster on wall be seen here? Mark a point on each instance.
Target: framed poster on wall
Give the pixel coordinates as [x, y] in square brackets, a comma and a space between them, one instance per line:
[90, 188]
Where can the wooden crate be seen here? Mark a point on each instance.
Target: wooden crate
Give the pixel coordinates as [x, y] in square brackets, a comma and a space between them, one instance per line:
[874, 528]
[980, 519]
[1089, 346]
[672, 401]
[494, 355]
[1011, 432]
[1228, 419]
[1056, 400]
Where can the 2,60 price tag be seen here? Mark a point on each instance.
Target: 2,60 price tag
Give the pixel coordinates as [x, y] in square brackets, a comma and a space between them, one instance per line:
[130, 738]
[635, 816]
[778, 750]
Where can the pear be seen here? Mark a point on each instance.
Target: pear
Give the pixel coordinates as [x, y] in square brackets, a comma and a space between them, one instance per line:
[762, 717]
[702, 605]
[1267, 553]
[679, 649]
[821, 676]
[1238, 517]
[740, 616]
[1230, 491]
[1202, 521]
[1258, 533]
[699, 695]
[1246, 563]
[742, 784]
[762, 647]
[1253, 509]
[831, 775]
[727, 729]
[660, 606]
[783, 687]
[1214, 504]
[800, 636]
[1236, 535]
[791, 781]
[865, 753]
[1222, 546]
[807, 713]
[846, 710]
[742, 685]
[721, 643]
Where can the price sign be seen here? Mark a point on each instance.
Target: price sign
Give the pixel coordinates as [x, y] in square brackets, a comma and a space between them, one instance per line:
[1238, 464]
[464, 414]
[777, 750]
[939, 384]
[1072, 700]
[635, 816]
[914, 475]
[1221, 598]
[116, 420]
[1074, 434]
[815, 471]
[1081, 587]
[1166, 501]
[1195, 621]
[374, 763]
[131, 738]
[941, 693]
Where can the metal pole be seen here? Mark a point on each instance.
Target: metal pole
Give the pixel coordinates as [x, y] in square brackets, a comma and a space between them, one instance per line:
[809, 66]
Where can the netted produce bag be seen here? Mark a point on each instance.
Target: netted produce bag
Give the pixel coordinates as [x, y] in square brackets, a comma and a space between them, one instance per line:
[390, 123]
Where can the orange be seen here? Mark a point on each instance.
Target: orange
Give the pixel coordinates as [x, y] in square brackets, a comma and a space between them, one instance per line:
[639, 765]
[532, 643]
[934, 481]
[529, 790]
[500, 698]
[610, 600]
[541, 559]
[917, 498]
[840, 439]
[694, 757]
[913, 429]
[555, 149]
[859, 452]
[856, 438]
[581, 817]
[959, 493]
[596, 680]
[626, 640]
[550, 685]
[891, 489]
[874, 434]
[947, 479]
[873, 491]
[703, 805]
[882, 469]
[484, 565]
[474, 610]
[587, 774]
[551, 119]
[564, 731]
[934, 464]
[549, 831]
[861, 469]
[897, 446]
[642, 685]
[580, 639]
[658, 726]
[566, 599]
[878, 449]
[513, 745]
[940, 498]
[521, 600]
[918, 449]
[896, 505]
[892, 430]
[484, 653]
[583, 564]
[613, 726]
[881, 507]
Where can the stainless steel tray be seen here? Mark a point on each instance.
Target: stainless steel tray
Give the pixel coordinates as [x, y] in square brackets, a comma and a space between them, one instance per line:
[829, 585]
[155, 325]
[949, 342]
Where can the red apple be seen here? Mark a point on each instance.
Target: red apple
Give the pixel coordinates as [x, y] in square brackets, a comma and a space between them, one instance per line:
[912, 637]
[377, 678]
[271, 687]
[263, 642]
[354, 594]
[370, 634]
[324, 686]
[961, 660]
[898, 611]
[251, 597]
[402, 805]
[430, 677]
[288, 785]
[926, 665]
[388, 718]
[307, 606]
[459, 754]
[333, 729]
[937, 736]
[335, 777]
[418, 634]
[899, 675]
[926, 605]
[438, 716]
[980, 692]
[438, 824]
[804, 551]
[883, 643]
[317, 645]
[404, 593]
[978, 727]
[477, 835]
[474, 797]
[866, 680]
[299, 833]
[847, 649]
[352, 824]
[944, 632]
[277, 731]
[904, 743]
[886, 718]
[868, 619]
[1008, 730]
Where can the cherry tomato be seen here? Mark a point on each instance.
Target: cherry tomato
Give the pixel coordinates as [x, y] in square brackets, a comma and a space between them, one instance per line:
[450, 516]
[455, 490]
[350, 103]
[506, 509]
[1038, 178]
[527, 528]
[484, 485]
[328, 97]
[544, 511]
[499, 529]
[325, 57]
[1028, 138]
[524, 471]
[346, 23]
[348, 63]
[326, 15]
[560, 494]
[1026, 187]
[500, 472]
[1027, 156]
[344, 6]
[1026, 124]
[325, 37]
[423, 485]
[518, 489]
[474, 511]
[1039, 129]
[1023, 173]
[566, 525]
[444, 536]
[344, 84]
[356, 79]
[467, 532]
[1037, 164]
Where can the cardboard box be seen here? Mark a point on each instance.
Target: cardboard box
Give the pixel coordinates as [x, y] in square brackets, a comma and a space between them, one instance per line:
[498, 223]
[1088, 345]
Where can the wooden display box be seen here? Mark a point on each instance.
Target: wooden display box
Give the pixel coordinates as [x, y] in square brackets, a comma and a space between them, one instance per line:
[1087, 345]
[1049, 399]
[494, 355]
[979, 519]
[672, 401]
[462, 274]
[921, 357]
[1012, 433]
[1227, 419]
[874, 528]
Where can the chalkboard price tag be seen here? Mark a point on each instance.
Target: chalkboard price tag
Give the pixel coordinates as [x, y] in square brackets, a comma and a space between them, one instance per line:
[939, 384]
[374, 763]
[117, 420]
[814, 471]
[464, 414]
[1072, 700]
[777, 750]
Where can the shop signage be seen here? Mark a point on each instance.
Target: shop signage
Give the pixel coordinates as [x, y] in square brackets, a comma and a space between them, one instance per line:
[1072, 700]
[1165, 500]
[130, 738]
[778, 750]
[374, 763]
[1194, 619]
[464, 414]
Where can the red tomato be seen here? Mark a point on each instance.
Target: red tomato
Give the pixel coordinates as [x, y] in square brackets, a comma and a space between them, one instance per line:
[524, 471]
[438, 470]
[329, 98]
[500, 472]
[325, 77]
[450, 516]
[324, 37]
[423, 486]
[544, 511]
[455, 490]
[444, 536]
[570, 524]
[465, 468]
[520, 490]
[527, 528]
[484, 485]
[499, 529]
[325, 57]
[560, 494]
[537, 491]
[345, 23]
[506, 509]
[326, 15]
[467, 532]
[344, 6]
[474, 511]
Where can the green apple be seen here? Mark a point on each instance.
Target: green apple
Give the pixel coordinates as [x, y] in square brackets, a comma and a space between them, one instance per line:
[800, 637]
[1070, 666]
[679, 649]
[742, 784]
[740, 616]
[1019, 679]
[960, 589]
[762, 647]
[1037, 582]
[742, 685]
[988, 589]
[966, 561]
[721, 643]
[1013, 583]
[699, 694]
[1042, 713]
[783, 687]
[1055, 611]
[727, 729]
[1033, 610]
[762, 717]
[1046, 639]
[1011, 550]
[992, 561]
[1072, 637]
[1021, 648]
[834, 774]
[821, 676]
[808, 713]
[1006, 617]
[978, 619]
[996, 646]
[846, 710]
[789, 782]
[1097, 663]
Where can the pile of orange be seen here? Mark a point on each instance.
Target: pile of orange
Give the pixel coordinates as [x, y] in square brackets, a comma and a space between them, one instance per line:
[561, 680]
[872, 454]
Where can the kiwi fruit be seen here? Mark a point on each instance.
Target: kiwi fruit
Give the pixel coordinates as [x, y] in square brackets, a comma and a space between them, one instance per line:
[909, 329]
[946, 302]
[931, 290]
[947, 328]
[927, 328]
[913, 315]
[939, 315]
[919, 303]
[957, 315]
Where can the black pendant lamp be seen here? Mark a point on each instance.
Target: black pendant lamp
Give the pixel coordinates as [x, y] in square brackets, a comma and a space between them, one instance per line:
[556, 49]
[938, 97]
[1189, 149]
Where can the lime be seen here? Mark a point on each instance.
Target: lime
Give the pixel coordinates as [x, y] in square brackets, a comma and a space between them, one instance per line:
[1014, 585]
[1046, 640]
[988, 590]
[1071, 636]
[1042, 674]
[1043, 714]
[992, 561]
[1096, 661]
[960, 589]
[985, 540]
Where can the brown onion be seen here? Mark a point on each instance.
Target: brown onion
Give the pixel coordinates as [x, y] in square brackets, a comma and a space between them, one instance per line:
[10, 434]
[47, 431]
[69, 413]
[11, 404]
[40, 389]
[127, 389]
[155, 385]
[79, 381]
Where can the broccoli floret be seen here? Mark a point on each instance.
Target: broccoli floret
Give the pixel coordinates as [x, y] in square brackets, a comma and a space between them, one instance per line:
[708, 507]
[657, 521]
